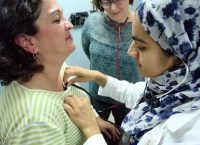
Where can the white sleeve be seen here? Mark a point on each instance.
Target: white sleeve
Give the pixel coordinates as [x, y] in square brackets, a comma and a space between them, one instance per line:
[122, 91]
[96, 140]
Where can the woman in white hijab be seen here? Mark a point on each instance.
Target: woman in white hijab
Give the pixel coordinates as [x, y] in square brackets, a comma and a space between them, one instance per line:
[166, 45]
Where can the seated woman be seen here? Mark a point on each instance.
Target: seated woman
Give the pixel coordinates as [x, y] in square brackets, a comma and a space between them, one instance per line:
[166, 46]
[34, 42]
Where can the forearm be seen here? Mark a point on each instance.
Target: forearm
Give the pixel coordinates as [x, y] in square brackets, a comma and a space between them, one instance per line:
[91, 130]
[95, 139]
[122, 91]
[100, 78]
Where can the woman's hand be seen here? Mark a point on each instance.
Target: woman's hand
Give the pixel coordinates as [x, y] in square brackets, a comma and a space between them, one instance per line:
[109, 129]
[80, 111]
[84, 75]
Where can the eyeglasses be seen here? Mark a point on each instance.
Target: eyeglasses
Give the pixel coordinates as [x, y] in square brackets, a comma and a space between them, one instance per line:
[107, 3]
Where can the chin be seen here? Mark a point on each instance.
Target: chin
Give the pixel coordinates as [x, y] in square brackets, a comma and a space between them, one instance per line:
[143, 72]
[119, 20]
[149, 75]
[71, 47]
[116, 18]
[71, 50]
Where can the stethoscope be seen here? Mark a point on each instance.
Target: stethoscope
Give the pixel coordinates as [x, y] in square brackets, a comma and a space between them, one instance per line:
[161, 95]
[78, 87]
[90, 97]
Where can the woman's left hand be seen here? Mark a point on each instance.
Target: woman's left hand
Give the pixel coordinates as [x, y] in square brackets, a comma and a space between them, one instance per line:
[109, 129]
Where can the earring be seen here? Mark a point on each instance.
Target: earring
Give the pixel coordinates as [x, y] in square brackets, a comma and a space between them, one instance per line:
[34, 56]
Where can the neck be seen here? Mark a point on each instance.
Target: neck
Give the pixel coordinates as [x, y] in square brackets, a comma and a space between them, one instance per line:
[49, 79]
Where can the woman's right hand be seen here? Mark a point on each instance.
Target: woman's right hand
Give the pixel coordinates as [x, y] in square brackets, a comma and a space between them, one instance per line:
[84, 75]
[80, 111]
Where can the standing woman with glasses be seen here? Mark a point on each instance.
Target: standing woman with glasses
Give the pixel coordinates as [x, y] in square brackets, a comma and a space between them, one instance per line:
[106, 37]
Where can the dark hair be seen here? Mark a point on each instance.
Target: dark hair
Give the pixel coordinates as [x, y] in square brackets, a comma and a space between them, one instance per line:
[17, 17]
[97, 6]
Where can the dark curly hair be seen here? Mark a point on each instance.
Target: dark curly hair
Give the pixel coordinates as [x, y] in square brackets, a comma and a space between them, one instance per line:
[17, 17]
[98, 7]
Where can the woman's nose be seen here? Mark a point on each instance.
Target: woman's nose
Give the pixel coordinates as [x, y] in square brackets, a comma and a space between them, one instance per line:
[68, 25]
[132, 51]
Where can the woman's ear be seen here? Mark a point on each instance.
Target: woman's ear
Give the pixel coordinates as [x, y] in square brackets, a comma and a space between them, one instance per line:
[24, 41]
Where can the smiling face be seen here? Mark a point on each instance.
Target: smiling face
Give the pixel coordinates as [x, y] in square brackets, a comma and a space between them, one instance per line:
[53, 39]
[151, 59]
[118, 12]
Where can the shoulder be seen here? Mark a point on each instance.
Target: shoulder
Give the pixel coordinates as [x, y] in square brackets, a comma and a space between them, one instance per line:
[95, 15]
[94, 18]
[78, 91]
[93, 24]
[34, 131]
[31, 105]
